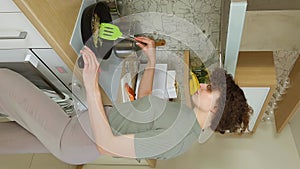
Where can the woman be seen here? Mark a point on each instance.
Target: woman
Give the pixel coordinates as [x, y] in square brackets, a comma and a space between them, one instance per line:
[135, 138]
[146, 128]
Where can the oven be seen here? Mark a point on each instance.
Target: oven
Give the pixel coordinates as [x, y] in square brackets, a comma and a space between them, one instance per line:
[45, 69]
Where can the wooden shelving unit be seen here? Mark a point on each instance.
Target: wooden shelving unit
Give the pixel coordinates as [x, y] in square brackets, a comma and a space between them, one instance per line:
[257, 69]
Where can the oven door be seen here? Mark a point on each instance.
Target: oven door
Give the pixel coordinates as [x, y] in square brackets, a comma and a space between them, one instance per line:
[28, 64]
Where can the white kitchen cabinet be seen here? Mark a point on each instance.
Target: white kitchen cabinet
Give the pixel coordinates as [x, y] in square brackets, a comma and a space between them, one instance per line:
[8, 6]
[11, 25]
[16, 31]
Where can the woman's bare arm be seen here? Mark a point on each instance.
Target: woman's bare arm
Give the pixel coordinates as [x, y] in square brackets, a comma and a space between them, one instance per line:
[146, 83]
[107, 143]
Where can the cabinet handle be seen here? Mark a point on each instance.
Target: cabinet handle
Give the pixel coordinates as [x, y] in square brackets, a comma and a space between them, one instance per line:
[14, 35]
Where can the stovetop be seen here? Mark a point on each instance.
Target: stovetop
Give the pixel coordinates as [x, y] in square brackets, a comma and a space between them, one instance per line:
[111, 69]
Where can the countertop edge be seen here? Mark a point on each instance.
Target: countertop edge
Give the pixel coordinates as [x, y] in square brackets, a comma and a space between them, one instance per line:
[61, 46]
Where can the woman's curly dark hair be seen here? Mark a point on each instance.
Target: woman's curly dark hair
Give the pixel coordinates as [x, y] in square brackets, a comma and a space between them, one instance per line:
[233, 111]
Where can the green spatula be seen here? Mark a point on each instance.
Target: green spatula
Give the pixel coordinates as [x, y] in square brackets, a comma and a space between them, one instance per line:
[111, 32]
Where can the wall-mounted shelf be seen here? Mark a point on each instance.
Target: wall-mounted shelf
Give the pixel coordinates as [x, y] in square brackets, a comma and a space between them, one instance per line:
[256, 71]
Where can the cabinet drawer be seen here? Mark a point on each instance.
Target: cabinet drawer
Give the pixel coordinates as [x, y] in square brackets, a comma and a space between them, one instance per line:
[8, 6]
[10, 31]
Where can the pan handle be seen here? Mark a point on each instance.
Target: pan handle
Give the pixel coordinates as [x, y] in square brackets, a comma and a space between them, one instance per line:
[80, 62]
[160, 42]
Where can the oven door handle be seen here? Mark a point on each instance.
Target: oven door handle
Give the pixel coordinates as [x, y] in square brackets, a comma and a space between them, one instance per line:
[13, 35]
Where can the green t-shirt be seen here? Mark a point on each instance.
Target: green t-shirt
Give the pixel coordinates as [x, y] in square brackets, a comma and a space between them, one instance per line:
[162, 129]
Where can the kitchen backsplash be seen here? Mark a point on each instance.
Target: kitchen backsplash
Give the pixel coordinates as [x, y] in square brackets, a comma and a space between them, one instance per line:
[203, 16]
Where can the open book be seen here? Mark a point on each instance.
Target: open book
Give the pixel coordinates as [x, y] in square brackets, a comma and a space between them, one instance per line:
[163, 83]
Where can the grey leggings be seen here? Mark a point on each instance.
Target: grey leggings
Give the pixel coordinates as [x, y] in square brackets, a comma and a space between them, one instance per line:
[40, 124]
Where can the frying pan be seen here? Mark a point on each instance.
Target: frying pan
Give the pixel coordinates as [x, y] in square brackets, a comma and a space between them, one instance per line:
[103, 11]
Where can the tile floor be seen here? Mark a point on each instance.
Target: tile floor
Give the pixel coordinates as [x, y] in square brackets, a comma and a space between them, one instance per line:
[32, 161]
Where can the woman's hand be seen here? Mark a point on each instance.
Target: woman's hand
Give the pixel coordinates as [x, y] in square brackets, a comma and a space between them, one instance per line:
[148, 47]
[146, 83]
[91, 68]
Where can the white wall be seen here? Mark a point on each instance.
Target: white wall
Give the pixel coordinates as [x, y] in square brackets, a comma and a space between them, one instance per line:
[295, 128]
[271, 31]
[265, 150]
